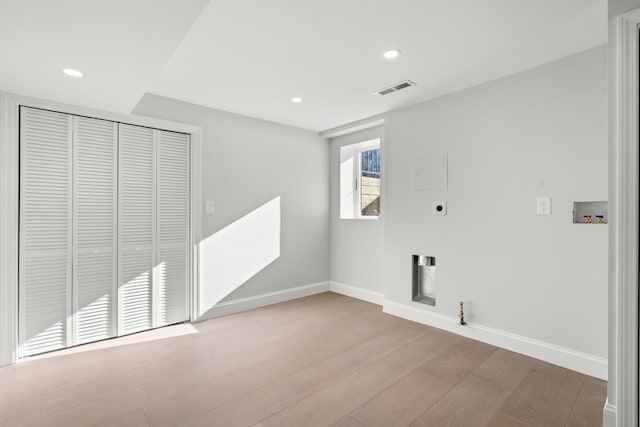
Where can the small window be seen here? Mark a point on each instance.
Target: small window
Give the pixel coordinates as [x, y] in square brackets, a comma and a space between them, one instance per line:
[360, 180]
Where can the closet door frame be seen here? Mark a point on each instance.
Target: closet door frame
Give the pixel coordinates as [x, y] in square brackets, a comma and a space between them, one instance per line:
[10, 202]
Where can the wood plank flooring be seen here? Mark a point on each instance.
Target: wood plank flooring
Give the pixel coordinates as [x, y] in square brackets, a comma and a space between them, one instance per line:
[324, 360]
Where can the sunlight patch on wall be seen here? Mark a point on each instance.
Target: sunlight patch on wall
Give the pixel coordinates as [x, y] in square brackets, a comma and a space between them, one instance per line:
[236, 253]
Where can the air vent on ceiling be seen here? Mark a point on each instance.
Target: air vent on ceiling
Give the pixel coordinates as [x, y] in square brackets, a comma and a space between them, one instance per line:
[394, 88]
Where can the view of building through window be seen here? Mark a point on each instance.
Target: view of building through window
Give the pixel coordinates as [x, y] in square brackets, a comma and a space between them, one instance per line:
[370, 182]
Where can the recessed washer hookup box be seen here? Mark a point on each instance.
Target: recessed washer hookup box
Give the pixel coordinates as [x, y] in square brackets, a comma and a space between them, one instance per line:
[590, 212]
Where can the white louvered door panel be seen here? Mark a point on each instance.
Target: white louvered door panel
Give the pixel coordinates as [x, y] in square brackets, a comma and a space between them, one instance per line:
[95, 232]
[45, 231]
[172, 272]
[136, 228]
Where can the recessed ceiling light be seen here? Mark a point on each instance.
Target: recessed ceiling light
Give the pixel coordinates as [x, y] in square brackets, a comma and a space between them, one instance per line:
[72, 73]
[296, 99]
[391, 53]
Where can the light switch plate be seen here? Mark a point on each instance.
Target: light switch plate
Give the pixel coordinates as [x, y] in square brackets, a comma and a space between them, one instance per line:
[544, 206]
[209, 207]
[439, 208]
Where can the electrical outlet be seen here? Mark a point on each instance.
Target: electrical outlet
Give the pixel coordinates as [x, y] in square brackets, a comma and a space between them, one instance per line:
[209, 207]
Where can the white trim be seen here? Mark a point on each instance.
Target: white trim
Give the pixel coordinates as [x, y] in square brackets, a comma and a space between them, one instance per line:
[561, 356]
[249, 303]
[352, 127]
[609, 415]
[624, 242]
[9, 166]
[196, 221]
[9, 187]
[356, 292]
[131, 119]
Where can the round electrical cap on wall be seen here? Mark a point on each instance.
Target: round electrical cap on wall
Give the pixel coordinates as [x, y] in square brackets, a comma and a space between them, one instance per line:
[439, 208]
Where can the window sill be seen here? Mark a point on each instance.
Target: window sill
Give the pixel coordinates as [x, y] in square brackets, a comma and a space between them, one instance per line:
[364, 218]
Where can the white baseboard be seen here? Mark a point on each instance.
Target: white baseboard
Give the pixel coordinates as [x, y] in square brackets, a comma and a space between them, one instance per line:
[561, 356]
[355, 292]
[609, 415]
[244, 304]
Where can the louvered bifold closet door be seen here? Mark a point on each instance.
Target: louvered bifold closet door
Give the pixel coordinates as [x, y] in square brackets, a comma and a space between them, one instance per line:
[45, 230]
[95, 232]
[172, 272]
[136, 227]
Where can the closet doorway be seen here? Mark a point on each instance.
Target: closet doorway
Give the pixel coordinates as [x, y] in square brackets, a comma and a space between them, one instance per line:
[104, 239]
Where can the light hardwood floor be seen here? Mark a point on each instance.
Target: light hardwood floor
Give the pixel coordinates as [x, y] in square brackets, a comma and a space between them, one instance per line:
[324, 360]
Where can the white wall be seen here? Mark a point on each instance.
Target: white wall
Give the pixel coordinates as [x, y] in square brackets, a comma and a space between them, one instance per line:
[541, 132]
[261, 176]
[357, 245]
[618, 7]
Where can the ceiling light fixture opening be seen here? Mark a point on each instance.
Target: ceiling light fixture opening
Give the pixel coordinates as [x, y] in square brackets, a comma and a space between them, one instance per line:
[72, 73]
[391, 53]
[296, 99]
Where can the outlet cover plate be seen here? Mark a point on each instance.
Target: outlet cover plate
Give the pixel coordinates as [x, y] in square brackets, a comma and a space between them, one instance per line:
[543, 206]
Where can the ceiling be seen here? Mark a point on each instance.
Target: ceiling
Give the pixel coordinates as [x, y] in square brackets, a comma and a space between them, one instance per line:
[119, 45]
[252, 56]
